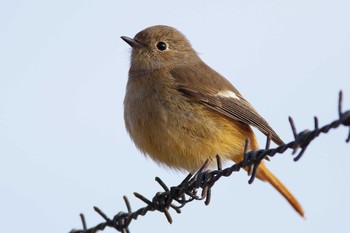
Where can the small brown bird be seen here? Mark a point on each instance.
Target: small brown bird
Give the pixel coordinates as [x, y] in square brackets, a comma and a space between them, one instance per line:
[181, 112]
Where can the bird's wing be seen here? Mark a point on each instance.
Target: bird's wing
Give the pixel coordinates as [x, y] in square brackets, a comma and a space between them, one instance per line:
[201, 83]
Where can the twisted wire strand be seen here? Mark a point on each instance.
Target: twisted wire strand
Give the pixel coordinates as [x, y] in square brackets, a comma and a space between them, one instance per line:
[177, 197]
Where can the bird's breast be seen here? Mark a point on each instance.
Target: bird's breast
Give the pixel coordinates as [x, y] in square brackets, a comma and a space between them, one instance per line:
[175, 131]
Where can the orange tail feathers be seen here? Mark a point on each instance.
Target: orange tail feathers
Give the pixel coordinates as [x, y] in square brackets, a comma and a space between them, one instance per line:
[264, 174]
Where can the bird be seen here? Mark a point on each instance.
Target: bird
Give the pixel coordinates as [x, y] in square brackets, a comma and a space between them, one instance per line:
[181, 112]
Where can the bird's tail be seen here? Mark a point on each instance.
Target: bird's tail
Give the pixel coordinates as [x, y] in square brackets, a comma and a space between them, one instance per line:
[264, 174]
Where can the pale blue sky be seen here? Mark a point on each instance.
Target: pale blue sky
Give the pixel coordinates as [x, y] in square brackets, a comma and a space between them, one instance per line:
[63, 145]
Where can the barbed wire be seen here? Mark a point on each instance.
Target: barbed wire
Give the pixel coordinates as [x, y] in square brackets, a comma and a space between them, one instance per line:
[188, 190]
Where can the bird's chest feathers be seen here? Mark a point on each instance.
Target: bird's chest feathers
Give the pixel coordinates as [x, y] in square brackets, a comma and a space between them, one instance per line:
[173, 129]
[150, 102]
[153, 110]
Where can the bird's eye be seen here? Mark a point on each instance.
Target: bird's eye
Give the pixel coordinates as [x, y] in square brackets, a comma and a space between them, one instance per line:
[161, 46]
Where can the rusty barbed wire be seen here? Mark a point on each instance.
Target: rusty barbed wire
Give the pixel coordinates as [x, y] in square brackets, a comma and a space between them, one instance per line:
[187, 191]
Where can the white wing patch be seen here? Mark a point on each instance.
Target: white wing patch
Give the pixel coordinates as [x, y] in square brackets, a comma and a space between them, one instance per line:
[227, 94]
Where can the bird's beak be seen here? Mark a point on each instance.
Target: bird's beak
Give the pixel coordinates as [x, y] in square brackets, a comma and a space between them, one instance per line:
[133, 43]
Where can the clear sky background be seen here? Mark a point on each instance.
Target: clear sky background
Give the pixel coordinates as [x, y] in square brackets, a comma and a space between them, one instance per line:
[63, 145]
